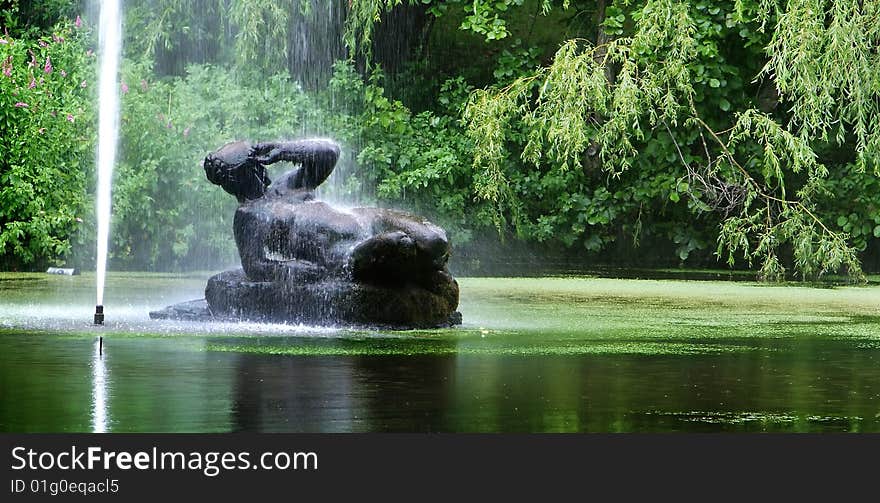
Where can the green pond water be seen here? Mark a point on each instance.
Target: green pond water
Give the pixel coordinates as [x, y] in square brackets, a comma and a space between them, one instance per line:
[534, 354]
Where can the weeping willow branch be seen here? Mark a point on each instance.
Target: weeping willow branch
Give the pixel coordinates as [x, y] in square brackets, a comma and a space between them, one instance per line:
[574, 104]
[570, 105]
[779, 220]
[825, 59]
[263, 31]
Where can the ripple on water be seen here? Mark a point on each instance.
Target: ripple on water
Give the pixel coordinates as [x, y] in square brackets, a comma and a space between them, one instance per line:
[746, 417]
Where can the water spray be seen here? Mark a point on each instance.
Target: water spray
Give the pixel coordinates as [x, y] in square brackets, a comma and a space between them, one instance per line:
[110, 47]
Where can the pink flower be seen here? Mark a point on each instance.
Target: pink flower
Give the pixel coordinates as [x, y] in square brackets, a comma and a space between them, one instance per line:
[3, 41]
[58, 39]
[124, 88]
[186, 132]
[48, 66]
[70, 118]
[144, 86]
[168, 125]
[63, 73]
[43, 44]
[83, 84]
[33, 83]
[21, 104]
[79, 22]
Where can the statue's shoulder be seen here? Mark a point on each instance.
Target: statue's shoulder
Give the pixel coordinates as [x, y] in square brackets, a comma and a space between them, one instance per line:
[254, 207]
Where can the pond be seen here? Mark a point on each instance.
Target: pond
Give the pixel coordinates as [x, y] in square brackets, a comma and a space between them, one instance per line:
[555, 354]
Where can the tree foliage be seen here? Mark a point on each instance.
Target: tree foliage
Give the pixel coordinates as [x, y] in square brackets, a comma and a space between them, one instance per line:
[45, 144]
[571, 106]
[747, 129]
[824, 59]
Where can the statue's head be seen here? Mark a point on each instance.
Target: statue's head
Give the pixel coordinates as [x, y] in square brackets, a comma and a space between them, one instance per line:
[232, 168]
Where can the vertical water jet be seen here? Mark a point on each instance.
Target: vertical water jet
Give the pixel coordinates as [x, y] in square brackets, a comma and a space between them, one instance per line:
[110, 47]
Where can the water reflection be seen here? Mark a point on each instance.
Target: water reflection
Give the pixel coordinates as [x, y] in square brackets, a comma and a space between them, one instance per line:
[557, 355]
[176, 384]
[293, 394]
[331, 394]
[99, 390]
[754, 391]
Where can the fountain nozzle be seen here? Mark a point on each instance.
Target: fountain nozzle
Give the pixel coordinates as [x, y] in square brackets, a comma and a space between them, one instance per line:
[99, 314]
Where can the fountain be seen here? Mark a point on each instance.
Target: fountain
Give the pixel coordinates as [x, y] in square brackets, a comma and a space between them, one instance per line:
[110, 46]
[305, 261]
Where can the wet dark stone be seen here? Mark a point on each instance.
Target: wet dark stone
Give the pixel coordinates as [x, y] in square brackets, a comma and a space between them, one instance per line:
[332, 302]
[193, 310]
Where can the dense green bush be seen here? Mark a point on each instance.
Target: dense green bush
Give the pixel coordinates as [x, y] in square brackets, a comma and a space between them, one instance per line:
[46, 138]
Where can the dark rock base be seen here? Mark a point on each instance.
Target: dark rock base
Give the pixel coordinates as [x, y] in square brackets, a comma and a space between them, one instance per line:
[193, 310]
[231, 296]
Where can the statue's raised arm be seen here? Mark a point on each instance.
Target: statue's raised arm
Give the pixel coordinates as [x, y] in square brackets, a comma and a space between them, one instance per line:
[316, 157]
